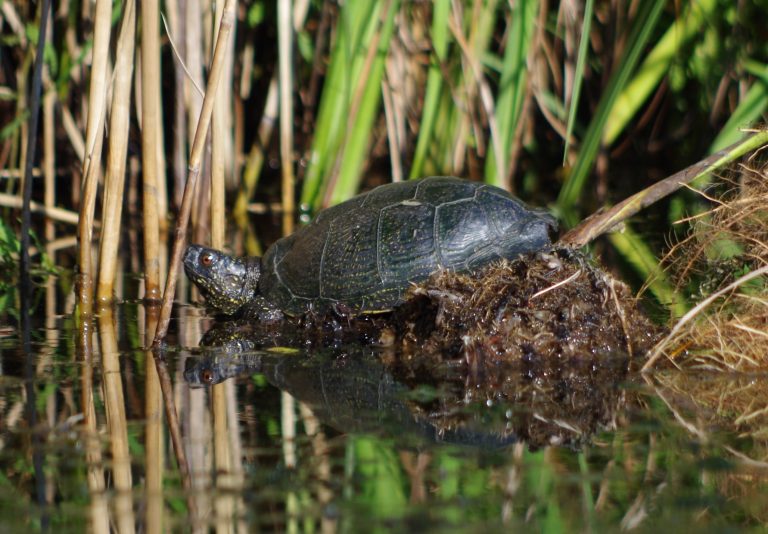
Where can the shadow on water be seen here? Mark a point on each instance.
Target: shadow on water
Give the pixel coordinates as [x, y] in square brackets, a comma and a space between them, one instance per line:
[337, 435]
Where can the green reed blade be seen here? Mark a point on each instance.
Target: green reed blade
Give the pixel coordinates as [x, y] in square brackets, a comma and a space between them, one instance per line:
[749, 110]
[512, 84]
[356, 142]
[380, 476]
[645, 22]
[432, 99]
[579, 74]
[357, 21]
[656, 65]
[637, 252]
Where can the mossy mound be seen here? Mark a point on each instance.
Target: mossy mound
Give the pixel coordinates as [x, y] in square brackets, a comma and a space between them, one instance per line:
[552, 305]
[550, 336]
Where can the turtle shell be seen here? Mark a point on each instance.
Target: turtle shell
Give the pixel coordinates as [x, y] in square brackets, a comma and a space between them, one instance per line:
[362, 255]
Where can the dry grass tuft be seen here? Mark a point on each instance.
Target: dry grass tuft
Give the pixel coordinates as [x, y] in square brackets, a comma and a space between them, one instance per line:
[723, 263]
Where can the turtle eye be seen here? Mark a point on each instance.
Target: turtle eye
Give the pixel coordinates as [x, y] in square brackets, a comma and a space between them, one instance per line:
[207, 376]
[206, 259]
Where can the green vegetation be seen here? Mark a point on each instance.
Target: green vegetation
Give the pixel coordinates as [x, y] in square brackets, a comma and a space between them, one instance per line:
[571, 105]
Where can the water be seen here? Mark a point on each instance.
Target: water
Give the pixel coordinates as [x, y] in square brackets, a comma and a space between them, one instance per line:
[335, 440]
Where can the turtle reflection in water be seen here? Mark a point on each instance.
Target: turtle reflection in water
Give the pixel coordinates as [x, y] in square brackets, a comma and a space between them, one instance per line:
[349, 390]
[355, 389]
[361, 256]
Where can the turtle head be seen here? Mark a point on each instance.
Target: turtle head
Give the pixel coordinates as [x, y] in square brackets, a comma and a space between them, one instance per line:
[227, 283]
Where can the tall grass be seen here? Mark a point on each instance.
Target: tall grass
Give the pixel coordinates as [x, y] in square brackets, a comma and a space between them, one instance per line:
[491, 90]
[624, 93]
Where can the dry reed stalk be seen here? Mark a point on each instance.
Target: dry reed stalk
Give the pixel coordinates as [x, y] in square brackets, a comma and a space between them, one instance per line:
[53, 213]
[74, 134]
[194, 66]
[91, 163]
[195, 159]
[221, 139]
[220, 156]
[114, 404]
[288, 428]
[285, 65]
[153, 433]
[162, 185]
[255, 158]
[174, 29]
[285, 83]
[92, 444]
[97, 101]
[486, 97]
[220, 147]
[198, 432]
[114, 181]
[195, 40]
[604, 221]
[196, 418]
[49, 157]
[322, 467]
[223, 504]
[150, 126]
[44, 361]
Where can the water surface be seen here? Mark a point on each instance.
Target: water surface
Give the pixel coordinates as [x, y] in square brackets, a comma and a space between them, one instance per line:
[336, 439]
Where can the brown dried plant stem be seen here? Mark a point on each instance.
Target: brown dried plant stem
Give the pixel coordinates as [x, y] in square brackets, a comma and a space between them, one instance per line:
[602, 222]
[49, 157]
[219, 170]
[97, 98]
[285, 63]
[181, 231]
[118, 149]
[150, 126]
[25, 290]
[194, 170]
[255, 158]
[114, 404]
[153, 436]
[97, 93]
[50, 213]
[285, 85]
[175, 14]
[659, 349]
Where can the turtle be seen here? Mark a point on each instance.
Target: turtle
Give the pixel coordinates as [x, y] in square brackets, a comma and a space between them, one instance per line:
[362, 255]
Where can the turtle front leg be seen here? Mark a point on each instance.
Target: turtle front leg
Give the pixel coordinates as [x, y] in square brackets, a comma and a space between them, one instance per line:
[264, 311]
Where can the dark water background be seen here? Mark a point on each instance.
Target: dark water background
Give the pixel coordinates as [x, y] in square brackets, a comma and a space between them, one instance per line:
[333, 440]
